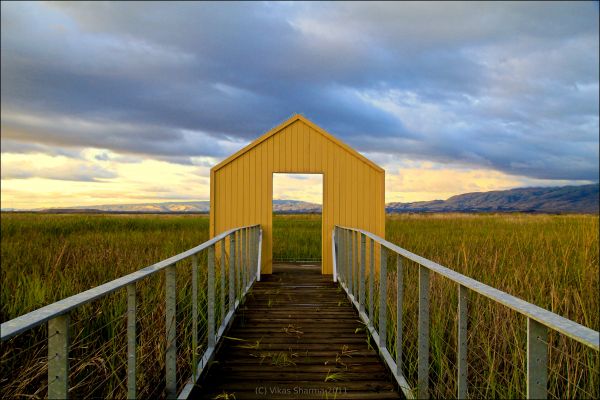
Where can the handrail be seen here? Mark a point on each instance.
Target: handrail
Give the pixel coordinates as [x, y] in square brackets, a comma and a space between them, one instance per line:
[243, 266]
[349, 254]
[43, 314]
[572, 329]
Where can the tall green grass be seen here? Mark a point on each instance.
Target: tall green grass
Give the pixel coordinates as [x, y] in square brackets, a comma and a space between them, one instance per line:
[46, 258]
[551, 261]
[297, 237]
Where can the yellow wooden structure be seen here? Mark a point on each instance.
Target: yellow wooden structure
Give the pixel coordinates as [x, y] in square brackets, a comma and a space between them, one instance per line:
[241, 186]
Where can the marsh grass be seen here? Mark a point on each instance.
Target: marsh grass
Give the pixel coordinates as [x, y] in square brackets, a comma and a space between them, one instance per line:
[551, 261]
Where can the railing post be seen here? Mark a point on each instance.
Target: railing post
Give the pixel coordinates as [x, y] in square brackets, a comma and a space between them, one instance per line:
[239, 258]
[194, 314]
[252, 254]
[399, 302]
[334, 255]
[131, 341]
[223, 272]
[363, 260]
[210, 302]
[382, 299]
[58, 357]
[259, 251]
[371, 281]
[342, 256]
[244, 258]
[232, 272]
[350, 263]
[171, 324]
[462, 342]
[537, 360]
[355, 266]
[423, 334]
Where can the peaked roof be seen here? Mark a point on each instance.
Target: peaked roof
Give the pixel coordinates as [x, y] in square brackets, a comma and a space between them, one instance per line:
[291, 120]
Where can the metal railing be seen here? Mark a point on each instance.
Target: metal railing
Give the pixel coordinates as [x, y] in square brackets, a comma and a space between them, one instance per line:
[228, 277]
[382, 305]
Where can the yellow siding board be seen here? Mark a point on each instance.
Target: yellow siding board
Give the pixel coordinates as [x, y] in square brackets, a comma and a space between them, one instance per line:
[251, 183]
[242, 185]
[305, 152]
[294, 133]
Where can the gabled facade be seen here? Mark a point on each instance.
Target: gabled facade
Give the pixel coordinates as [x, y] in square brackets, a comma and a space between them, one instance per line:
[241, 186]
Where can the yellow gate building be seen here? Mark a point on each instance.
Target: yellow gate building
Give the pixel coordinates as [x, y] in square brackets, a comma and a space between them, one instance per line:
[241, 186]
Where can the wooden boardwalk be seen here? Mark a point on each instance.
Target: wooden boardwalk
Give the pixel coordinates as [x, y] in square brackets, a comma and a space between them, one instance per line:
[296, 337]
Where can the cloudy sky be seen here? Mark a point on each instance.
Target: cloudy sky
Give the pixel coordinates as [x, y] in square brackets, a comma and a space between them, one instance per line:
[134, 102]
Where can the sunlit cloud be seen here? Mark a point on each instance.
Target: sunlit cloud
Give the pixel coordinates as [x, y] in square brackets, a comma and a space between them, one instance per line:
[304, 187]
[123, 102]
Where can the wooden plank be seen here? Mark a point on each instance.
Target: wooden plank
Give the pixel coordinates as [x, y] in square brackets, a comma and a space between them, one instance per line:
[296, 329]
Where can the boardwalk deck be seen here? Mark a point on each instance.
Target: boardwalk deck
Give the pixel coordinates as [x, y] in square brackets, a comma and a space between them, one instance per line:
[297, 336]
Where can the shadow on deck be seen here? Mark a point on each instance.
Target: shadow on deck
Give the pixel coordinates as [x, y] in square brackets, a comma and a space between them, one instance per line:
[297, 336]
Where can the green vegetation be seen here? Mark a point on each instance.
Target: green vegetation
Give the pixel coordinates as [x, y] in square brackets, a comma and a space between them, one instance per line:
[297, 237]
[551, 261]
[548, 260]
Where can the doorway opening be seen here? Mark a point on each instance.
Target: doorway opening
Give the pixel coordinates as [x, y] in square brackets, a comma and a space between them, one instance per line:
[297, 217]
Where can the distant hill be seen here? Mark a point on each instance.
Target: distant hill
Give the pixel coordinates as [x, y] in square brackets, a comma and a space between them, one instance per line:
[295, 206]
[565, 199]
[170, 207]
[279, 206]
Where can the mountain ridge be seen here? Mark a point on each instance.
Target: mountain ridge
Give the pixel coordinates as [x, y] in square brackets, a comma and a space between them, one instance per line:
[556, 199]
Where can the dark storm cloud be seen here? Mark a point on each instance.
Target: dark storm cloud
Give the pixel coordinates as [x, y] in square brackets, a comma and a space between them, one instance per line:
[512, 86]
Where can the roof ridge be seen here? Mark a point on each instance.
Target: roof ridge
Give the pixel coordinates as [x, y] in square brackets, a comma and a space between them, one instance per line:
[278, 128]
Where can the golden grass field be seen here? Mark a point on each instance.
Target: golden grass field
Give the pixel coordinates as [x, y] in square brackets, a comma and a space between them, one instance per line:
[549, 260]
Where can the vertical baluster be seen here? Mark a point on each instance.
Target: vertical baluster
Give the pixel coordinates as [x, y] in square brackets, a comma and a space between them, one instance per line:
[537, 360]
[349, 259]
[58, 357]
[423, 334]
[259, 235]
[210, 302]
[350, 264]
[342, 256]
[462, 342]
[355, 267]
[363, 260]
[223, 273]
[194, 315]
[247, 255]
[171, 323]
[232, 272]
[371, 281]
[252, 254]
[131, 341]
[336, 253]
[239, 260]
[242, 261]
[245, 258]
[250, 258]
[383, 298]
[399, 303]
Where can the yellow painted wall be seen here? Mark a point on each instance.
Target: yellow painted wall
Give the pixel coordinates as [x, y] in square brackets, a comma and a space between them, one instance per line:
[242, 185]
